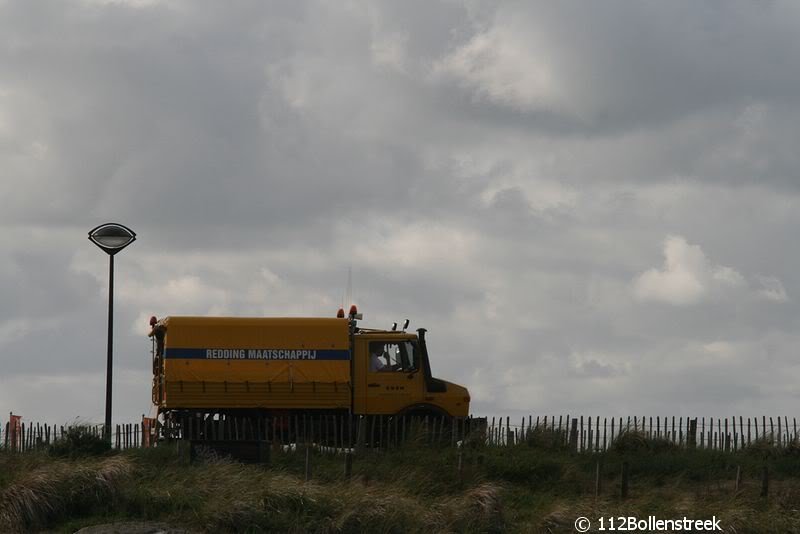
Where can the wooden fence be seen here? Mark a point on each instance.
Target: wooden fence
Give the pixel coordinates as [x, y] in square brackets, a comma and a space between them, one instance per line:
[596, 434]
[337, 432]
[581, 434]
[37, 436]
[331, 431]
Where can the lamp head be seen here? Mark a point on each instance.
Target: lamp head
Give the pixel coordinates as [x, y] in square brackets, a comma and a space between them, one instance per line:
[112, 237]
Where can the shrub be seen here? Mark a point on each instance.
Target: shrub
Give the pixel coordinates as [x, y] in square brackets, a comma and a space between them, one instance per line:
[544, 438]
[766, 447]
[79, 441]
[792, 448]
[636, 441]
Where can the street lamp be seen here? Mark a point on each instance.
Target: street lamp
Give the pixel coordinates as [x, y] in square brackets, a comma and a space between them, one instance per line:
[112, 238]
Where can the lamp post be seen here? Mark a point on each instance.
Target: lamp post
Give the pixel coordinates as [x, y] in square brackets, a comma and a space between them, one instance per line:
[112, 238]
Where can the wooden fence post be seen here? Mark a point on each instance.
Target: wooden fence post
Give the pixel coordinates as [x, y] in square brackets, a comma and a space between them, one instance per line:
[264, 453]
[624, 483]
[726, 441]
[348, 465]
[597, 479]
[308, 462]
[741, 432]
[764, 430]
[691, 437]
[597, 434]
[738, 485]
[612, 430]
[588, 435]
[361, 433]
[702, 433]
[786, 429]
[711, 436]
[674, 438]
[581, 435]
[573, 436]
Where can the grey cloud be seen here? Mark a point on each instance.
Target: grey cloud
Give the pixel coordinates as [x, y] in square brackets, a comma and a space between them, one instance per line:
[630, 64]
[262, 149]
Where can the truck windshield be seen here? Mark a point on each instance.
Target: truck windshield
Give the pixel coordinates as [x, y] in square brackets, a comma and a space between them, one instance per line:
[409, 356]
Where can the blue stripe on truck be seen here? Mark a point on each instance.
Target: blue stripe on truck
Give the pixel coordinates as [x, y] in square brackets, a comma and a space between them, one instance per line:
[258, 354]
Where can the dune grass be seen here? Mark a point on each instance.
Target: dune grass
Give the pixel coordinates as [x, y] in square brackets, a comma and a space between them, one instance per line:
[46, 491]
[537, 486]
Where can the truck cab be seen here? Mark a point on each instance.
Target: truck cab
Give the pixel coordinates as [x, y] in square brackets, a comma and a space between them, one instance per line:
[392, 375]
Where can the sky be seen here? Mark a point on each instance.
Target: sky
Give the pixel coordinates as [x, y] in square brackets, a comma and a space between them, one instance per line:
[591, 206]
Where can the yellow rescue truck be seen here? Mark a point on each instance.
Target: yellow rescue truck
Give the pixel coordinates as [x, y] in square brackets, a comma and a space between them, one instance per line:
[266, 367]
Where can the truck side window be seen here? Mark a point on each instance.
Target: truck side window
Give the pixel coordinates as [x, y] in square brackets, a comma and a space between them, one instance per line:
[378, 357]
[387, 357]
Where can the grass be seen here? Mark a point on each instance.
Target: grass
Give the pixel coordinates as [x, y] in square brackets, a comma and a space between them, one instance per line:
[79, 441]
[49, 491]
[537, 486]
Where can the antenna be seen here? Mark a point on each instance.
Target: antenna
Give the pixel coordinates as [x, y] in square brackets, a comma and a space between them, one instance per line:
[349, 289]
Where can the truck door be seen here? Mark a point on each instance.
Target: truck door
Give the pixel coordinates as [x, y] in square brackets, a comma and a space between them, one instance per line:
[394, 380]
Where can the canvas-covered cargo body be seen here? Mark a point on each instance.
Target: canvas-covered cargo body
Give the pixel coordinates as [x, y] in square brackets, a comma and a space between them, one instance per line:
[246, 363]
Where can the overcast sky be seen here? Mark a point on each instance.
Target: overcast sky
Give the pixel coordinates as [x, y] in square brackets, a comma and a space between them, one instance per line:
[592, 206]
